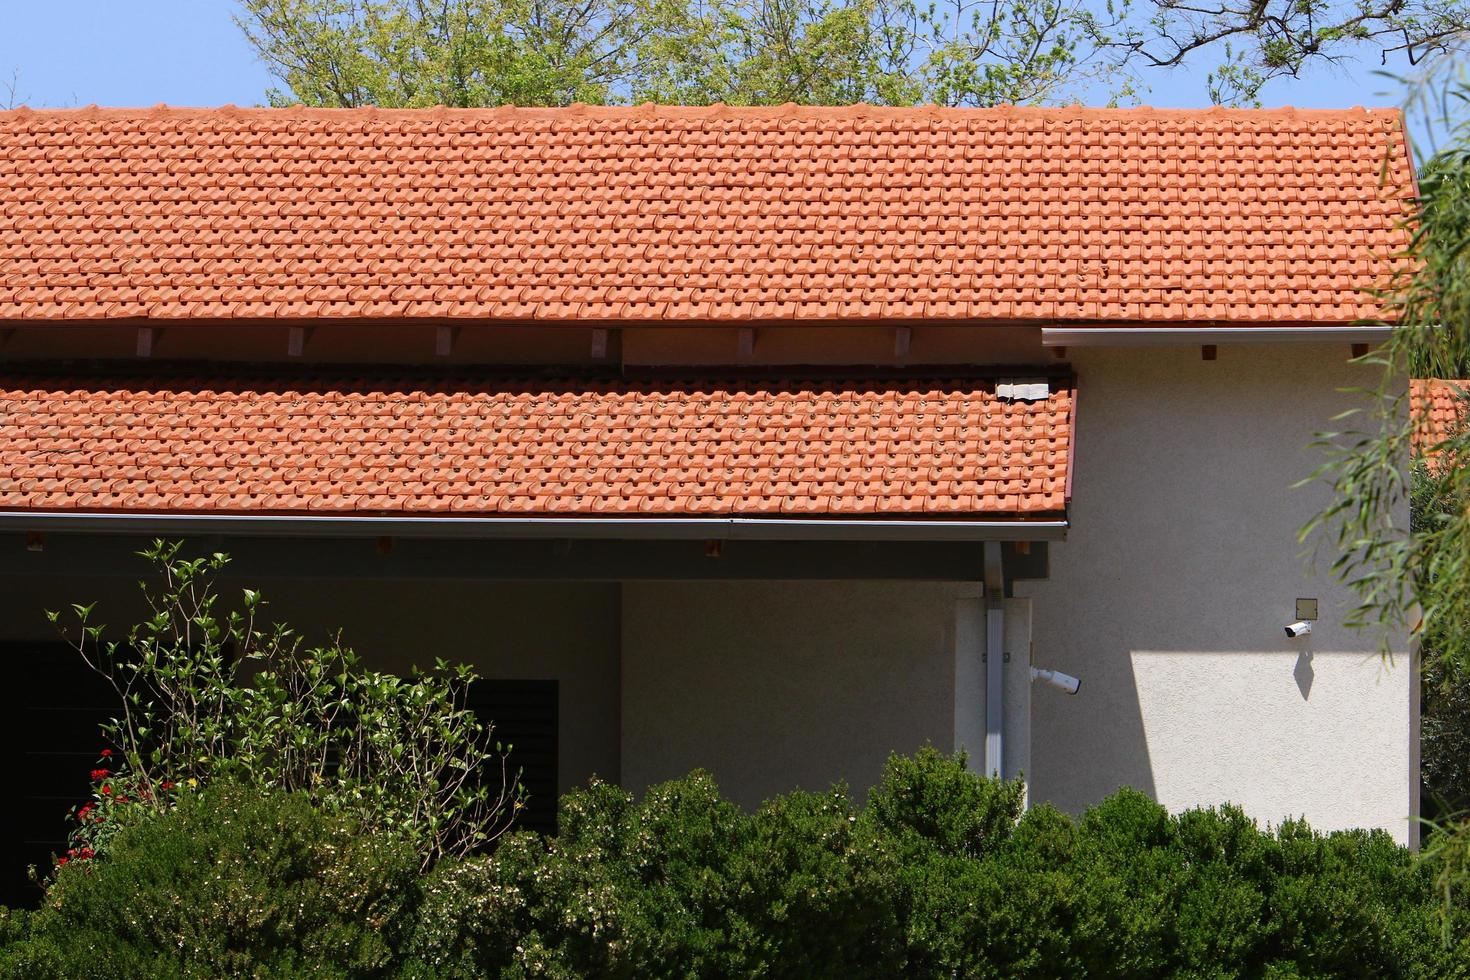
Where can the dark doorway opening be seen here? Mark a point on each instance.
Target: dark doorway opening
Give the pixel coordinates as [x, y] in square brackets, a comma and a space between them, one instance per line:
[524, 714]
[54, 707]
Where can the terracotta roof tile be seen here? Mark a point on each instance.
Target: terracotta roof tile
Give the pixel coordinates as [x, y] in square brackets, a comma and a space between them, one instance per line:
[1439, 408]
[660, 213]
[405, 445]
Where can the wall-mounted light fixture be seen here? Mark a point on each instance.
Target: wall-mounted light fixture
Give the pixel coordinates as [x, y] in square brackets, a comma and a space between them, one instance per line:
[1065, 683]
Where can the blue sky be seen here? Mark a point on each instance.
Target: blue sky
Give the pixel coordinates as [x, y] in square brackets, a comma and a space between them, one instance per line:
[128, 53]
[189, 52]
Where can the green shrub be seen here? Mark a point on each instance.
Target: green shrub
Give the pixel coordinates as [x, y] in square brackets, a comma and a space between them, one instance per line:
[1206, 893]
[967, 900]
[681, 884]
[932, 803]
[940, 875]
[23, 953]
[230, 882]
[809, 887]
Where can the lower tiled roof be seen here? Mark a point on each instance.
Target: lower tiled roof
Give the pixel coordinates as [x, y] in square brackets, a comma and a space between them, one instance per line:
[1438, 408]
[404, 445]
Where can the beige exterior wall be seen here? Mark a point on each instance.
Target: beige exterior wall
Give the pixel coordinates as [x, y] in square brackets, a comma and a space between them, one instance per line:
[773, 686]
[1170, 595]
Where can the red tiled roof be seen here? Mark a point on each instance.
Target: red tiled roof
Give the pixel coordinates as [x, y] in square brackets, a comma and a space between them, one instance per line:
[400, 445]
[717, 214]
[1439, 409]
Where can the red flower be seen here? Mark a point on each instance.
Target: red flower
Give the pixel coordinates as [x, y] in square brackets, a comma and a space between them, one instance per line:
[107, 753]
[86, 853]
[166, 784]
[60, 862]
[107, 791]
[100, 773]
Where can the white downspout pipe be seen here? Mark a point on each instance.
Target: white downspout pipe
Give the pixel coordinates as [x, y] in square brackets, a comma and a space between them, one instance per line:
[995, 632]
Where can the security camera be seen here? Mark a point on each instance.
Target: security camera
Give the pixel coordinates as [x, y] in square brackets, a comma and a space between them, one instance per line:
[1065, 683]
[1299, 628]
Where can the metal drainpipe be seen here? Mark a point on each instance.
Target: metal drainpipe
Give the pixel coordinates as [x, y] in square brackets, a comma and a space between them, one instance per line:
[995, 632]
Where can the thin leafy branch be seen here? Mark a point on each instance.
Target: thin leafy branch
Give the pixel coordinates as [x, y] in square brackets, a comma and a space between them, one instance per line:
[1262, 40]
[10, 95]
[213, 695]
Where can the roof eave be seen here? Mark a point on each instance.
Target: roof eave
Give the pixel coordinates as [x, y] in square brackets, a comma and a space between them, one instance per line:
[1174, 336]
[1051, 527]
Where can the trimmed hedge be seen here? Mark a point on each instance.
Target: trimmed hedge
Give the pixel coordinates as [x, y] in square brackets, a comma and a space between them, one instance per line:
[940, 874]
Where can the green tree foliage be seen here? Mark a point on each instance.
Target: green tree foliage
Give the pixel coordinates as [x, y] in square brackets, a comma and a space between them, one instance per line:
[742, 52]
[1413, 575]
[1445, 725]
[396, 53]
[1439, 502]
[210, 694]
[232, 882]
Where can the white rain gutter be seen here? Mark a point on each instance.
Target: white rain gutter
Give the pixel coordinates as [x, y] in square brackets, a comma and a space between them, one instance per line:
[643, 528]
[1164, 336]
[995, 659]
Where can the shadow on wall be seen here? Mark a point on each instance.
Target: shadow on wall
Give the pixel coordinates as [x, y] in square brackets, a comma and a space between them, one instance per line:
[1085, 747]
[1304, 674]
[777, 685]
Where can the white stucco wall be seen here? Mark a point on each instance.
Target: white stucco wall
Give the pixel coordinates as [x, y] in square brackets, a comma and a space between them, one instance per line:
[1169, 597]
[563, 631]
[773, 686]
